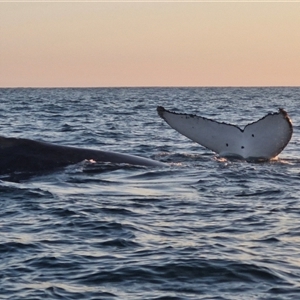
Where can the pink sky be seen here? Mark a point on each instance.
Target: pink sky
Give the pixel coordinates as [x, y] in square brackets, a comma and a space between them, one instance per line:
[149, 44]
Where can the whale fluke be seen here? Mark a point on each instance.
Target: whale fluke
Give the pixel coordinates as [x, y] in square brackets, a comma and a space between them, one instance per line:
[260, 140]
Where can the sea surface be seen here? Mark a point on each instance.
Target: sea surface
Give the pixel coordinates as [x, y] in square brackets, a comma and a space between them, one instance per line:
[202, 227]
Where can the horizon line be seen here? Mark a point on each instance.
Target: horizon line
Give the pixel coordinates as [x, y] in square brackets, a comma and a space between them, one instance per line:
[150, 86]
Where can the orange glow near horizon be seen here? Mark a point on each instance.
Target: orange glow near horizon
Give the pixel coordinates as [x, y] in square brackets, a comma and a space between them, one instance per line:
[149, 44]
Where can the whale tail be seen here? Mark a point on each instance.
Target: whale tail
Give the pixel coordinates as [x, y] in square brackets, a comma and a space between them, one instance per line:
[263, 139]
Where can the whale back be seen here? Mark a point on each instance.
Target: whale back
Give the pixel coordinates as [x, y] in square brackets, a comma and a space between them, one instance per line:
[25, 155]
[263, 139]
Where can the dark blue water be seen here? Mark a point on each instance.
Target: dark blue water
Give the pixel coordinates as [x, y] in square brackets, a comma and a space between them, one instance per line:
[201, 228]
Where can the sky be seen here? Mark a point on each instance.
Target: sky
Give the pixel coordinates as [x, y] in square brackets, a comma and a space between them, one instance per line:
[116, 44]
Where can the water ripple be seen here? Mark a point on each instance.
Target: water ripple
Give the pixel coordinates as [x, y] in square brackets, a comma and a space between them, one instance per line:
[201, 228]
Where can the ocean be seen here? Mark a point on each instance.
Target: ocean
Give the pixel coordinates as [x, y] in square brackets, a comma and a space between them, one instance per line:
[202, 227]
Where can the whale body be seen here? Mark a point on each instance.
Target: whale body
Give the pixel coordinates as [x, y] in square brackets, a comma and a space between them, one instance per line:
[260, 140]
[25, 155]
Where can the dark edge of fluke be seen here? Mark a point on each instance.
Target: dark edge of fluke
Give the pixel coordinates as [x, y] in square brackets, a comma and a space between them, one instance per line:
[161, 110]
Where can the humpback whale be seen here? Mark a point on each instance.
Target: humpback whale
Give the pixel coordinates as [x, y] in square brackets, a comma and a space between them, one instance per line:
[258, 141]
[18, 155]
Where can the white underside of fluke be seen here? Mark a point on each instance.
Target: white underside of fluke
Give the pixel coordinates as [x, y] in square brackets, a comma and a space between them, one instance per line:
[263, 139]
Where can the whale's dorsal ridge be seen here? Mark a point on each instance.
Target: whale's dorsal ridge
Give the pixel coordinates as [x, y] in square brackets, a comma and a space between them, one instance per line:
[20, 155]
[262, 139]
